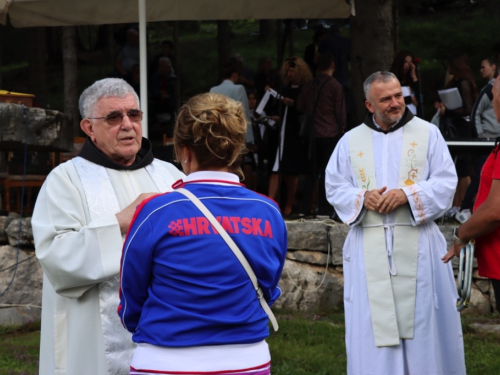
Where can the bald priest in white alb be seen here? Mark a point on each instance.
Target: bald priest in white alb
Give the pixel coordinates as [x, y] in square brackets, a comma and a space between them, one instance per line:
[81, 216]
[389, 179]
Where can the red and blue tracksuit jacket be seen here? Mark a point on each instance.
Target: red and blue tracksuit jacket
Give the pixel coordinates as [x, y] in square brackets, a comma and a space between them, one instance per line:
[181, 285]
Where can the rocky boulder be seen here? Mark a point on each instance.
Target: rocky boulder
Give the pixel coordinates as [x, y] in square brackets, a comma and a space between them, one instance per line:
[47, 129]
[20, 286]
[19, 231]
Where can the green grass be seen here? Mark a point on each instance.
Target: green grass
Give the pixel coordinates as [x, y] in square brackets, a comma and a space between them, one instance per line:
[482, 350]
[304, 345]
[308, 345]
[19, 349]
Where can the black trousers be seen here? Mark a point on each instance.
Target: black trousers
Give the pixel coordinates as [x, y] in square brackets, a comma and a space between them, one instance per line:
[323, 150]
[471, 193]
[496, 290]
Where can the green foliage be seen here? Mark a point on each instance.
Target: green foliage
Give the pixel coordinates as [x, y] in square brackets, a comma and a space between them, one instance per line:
[433, 37]
[440, 35]
[14, 44]
[436, 37]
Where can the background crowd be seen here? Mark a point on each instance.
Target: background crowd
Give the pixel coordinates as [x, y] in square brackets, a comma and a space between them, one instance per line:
[287, 151]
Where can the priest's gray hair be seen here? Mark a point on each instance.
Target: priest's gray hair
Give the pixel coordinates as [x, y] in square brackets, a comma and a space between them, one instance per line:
[104, 88]
[380, 76]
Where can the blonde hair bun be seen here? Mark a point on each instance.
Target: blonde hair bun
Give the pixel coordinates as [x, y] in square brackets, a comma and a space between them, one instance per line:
[214, 127]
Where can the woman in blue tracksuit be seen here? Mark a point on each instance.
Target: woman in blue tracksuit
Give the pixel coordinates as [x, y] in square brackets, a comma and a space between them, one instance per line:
[184, 294]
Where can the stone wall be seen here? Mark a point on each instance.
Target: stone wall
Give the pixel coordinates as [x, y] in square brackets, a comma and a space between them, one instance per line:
[312, 279]
[23, 299]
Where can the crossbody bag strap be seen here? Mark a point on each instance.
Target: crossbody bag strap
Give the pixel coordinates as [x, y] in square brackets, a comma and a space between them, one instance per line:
[236, 250]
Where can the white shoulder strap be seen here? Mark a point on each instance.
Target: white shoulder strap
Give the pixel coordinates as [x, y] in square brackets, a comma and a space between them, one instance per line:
[204, 210]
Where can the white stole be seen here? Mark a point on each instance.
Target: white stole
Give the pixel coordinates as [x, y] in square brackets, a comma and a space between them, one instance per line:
[390, 266]
[101, 200]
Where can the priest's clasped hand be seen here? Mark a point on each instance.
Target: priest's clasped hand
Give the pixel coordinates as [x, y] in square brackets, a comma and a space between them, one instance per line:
[372, 197]
[376, 200]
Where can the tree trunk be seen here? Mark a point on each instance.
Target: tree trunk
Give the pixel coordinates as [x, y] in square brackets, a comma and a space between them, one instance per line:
[279, 42]
[2, 36]
[291, 46]
[395, 22]
[372, 37]
[265, 29]
[223, 43]
[70, 76]
[38, 65]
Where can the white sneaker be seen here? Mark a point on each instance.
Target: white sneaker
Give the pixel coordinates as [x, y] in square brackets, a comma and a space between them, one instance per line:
[463, 216]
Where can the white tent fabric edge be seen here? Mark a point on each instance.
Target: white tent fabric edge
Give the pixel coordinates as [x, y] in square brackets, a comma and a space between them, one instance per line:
[30, 13]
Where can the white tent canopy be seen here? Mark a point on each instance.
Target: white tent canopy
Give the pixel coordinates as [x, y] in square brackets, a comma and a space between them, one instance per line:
[31, 13]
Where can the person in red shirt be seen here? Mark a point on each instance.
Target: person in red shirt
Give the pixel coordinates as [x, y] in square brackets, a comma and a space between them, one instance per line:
[484, 224]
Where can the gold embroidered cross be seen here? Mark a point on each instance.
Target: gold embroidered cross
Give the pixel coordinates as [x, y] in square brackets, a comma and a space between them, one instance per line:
[413, 144]
[414, 176]
[360, 154]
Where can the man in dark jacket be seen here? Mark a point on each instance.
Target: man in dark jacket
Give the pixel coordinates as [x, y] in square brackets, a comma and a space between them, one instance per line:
[323, 98]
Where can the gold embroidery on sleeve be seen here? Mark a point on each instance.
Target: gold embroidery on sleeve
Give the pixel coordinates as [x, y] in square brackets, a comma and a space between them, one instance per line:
[417, 200]
[357, 206]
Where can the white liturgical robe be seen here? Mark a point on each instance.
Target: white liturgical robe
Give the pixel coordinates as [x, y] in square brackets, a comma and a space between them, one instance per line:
[437, 343]
[77, 254]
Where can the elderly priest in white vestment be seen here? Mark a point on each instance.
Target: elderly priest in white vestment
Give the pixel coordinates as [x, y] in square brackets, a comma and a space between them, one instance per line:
[389, 179]
[81, 216]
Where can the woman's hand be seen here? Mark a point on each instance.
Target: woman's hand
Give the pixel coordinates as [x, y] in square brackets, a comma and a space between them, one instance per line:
[287, 101]
[413, 72]
[440, 107]
[454, 251]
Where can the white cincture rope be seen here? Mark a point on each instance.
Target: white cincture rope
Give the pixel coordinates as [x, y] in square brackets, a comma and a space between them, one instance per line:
[388, 225]
[392, 266]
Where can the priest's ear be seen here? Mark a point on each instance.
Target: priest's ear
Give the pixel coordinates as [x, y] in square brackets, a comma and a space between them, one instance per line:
[88, 128]
[369, 106]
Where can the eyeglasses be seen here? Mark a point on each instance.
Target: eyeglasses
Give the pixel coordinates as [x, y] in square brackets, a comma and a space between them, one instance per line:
[116, 118]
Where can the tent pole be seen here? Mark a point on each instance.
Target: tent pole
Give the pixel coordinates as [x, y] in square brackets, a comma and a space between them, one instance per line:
[143, 66]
